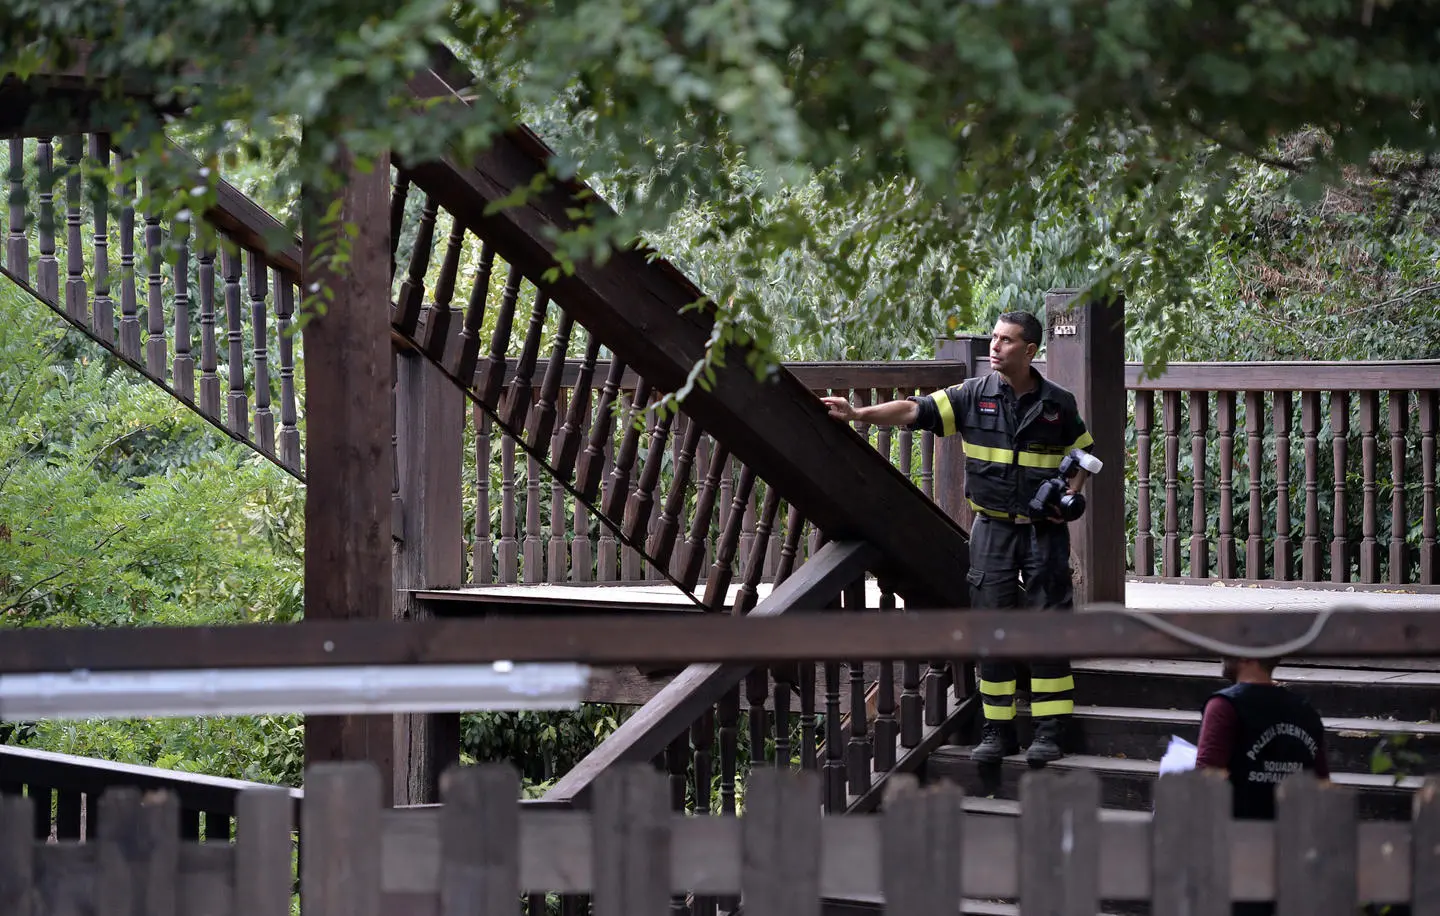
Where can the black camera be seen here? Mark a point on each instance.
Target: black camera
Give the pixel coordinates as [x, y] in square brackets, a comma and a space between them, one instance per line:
[1054, 496]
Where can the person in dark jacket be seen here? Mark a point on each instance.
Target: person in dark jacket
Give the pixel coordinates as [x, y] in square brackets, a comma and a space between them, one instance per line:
[1259, 733]
[1018, 429]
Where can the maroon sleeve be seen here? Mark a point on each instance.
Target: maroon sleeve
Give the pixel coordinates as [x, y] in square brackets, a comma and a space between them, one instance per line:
[1217, 735]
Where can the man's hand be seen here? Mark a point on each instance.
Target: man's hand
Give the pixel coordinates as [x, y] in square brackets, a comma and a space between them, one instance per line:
[840, 408]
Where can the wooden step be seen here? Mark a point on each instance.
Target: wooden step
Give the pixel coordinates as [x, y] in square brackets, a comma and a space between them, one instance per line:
[1112, 731]
[1412, 696]
[1130, 784]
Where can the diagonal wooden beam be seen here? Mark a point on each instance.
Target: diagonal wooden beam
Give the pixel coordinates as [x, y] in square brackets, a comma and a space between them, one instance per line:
[637, 304]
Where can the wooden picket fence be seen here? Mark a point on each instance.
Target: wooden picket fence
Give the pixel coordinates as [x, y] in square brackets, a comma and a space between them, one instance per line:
[482, 852]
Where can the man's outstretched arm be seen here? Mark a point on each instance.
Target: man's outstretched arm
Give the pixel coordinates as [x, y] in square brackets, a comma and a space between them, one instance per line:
[890, 413]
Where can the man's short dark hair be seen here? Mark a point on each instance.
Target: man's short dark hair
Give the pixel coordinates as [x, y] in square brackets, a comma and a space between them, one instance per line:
[1030, 329]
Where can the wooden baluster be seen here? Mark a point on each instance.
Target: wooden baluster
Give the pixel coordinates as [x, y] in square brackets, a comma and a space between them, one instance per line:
[1399, 529]
[1144, 538]
[730, 734]
[1312, 551]
[937, 703]
[834, 768]
[412, 292]
[607, 553]
[209, 352]
[572, 434]
[784, 686]
[509, 545]
[534, 545]
[591, 473]
[397, 502]
[47, 279]
[858, 750]
[1199, 542]
[155, 348]
[77, 302]
[399, 196]
[1284, 546]
[582, 561]
[642, 504]
[518, 401]
[887, 729]
[546, 410]
[747, 532]
[717, 586]
[1339, 446]
[884, 435]
[1369, 546]
[1255, 433]
[693, 555]
[748, 596]
[757, 692]
[259, 276]
[1429, 408]
[468, 355]
[677, 766]
[702, 736]
[619, 490]
[1171, 543]
[184, 365]
[662, 544]
[492, 371]
[17, 246]
[808, 759]
[284, 314]
[907, 448]
[559, 547]
[727, 487]
[912, 708]
[102, 318]
[237, 413]
[1225, 421]
[441, 315]
[129, 307]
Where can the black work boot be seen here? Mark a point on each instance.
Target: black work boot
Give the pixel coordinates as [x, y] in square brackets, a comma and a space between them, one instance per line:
[1046, 745]
[997, 741]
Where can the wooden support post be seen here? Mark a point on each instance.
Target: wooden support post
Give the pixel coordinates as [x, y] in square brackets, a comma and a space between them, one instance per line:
[350, 466]
[430, 423]
[969, 351]
[1085, 352]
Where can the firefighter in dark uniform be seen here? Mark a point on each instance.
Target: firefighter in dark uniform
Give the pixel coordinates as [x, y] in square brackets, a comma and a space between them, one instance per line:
[1017, 428]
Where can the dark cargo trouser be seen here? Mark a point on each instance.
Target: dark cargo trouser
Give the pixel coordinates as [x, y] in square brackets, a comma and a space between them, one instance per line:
[1000, 553]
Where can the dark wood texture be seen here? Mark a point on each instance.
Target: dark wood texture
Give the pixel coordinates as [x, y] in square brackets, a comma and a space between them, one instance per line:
[779, 872]
[138, 854]
[479, 855]
[632, 874]
[634, 302]
[262, 853]
[1314, 830]
[1059, 844]
[1425, 852]
[922, 838]
[340, 863]
[17, 856]
[1190, 868]
[348, 563]
[1089, 363]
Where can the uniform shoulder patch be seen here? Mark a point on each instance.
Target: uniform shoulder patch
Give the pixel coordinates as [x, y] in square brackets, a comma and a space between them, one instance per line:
[987, 405]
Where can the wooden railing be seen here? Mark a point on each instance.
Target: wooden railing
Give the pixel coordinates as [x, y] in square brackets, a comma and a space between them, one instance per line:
[87, 253]
[482, 852]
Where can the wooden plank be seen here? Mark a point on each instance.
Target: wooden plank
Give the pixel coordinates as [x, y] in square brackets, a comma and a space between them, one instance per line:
[263, 845]
[1190, 865]
[66, 876]
[632, 824]
[1411, 375]
[683, 639]
[636, 303]
[479, 823]
[207, 880]
[138, 853]
[340, 857]
[699, 687]
[348, 561]
[1315, 851]
[17, 857]
[922, 843]
[780, 873]
[1425, 852]
[1059, 843]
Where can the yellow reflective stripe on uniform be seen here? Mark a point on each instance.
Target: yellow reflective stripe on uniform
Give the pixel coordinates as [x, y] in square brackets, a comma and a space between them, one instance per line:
[994, 514]
[999, 713]
[1085, 440]
[1040, 460]
[1052, 708]
[998, 688]
[947, 411]
[986, 453]
[1052, 684]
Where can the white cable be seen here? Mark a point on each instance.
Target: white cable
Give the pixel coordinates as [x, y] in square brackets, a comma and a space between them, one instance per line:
[1218, 647]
